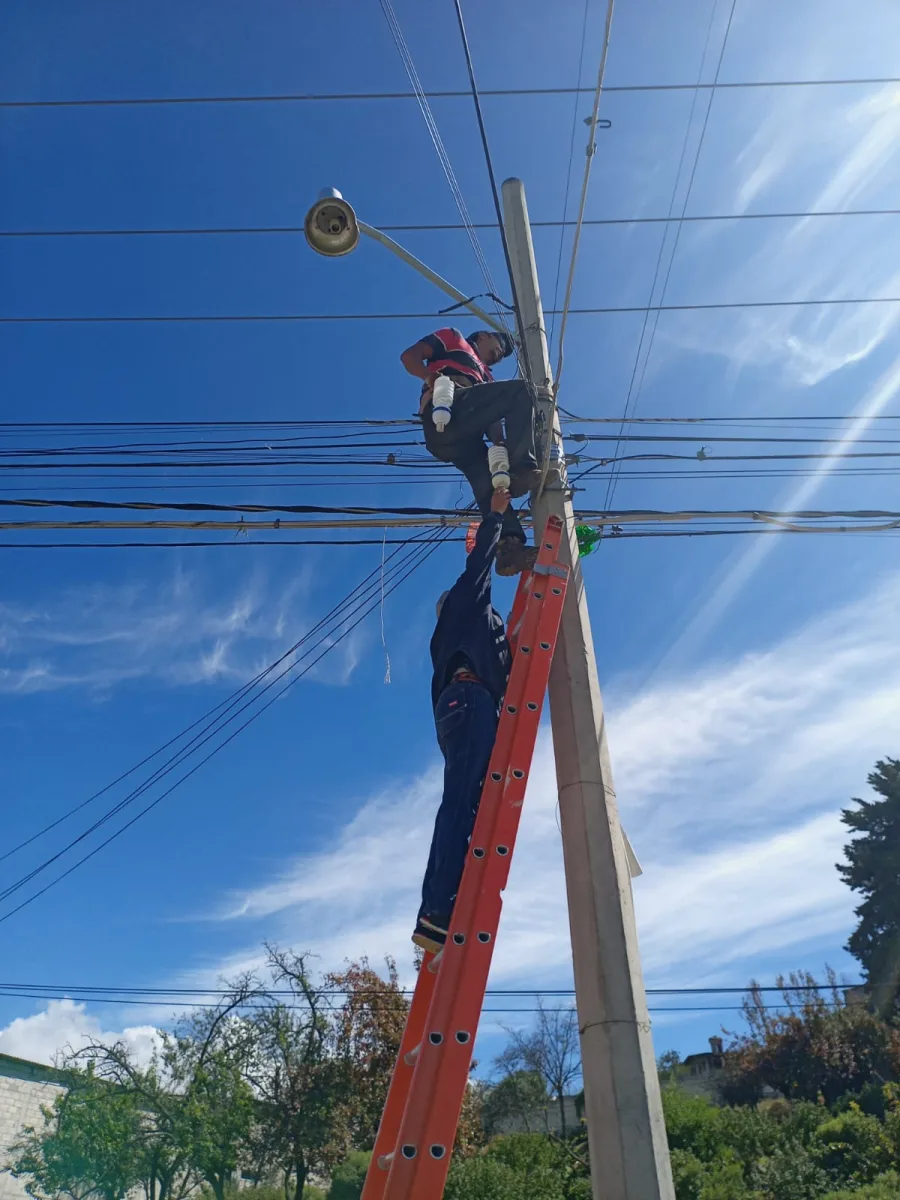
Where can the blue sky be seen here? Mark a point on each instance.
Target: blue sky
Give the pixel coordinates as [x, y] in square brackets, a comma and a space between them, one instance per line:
[750, 683]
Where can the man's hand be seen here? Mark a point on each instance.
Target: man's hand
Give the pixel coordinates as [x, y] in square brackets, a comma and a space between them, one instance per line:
[500, 500]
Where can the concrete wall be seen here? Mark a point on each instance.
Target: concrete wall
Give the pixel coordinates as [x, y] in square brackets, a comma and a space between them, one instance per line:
[543, 1120]
[24, 1087]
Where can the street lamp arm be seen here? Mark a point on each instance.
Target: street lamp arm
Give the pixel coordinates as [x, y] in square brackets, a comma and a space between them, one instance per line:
[437, 280]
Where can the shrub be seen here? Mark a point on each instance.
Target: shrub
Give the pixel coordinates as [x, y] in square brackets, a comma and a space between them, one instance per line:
[790, 1174]
[348, 1179]
[692, 1124]
[885, 1187]
[852, 1147]
[486, 1178]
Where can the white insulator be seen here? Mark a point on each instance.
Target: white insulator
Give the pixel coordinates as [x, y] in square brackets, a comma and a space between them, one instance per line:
[442, 402]
[498, 463]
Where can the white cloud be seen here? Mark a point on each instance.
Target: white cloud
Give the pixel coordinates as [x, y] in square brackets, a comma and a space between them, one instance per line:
[181, 632]
[64, 1025]
[730, 783]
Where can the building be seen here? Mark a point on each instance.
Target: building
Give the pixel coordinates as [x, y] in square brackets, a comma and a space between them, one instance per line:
[702, 1074]
[24, 1088]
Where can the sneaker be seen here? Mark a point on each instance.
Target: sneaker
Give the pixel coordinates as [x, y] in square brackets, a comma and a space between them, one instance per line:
[513, 556]
[429, 936]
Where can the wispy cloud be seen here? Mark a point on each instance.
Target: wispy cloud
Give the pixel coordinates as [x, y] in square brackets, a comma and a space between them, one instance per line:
[180, 632]
[813, 150]
[747, 562]
[730, 783]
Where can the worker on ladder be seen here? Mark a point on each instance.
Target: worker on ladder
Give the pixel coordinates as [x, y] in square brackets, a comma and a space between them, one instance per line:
[476, 406]
[471, 659]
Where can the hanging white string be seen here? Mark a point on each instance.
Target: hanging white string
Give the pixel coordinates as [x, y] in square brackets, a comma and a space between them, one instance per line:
[387, 657]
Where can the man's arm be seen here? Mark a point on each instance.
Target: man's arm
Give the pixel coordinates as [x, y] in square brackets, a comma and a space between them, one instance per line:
[476, 578]
[416, 358]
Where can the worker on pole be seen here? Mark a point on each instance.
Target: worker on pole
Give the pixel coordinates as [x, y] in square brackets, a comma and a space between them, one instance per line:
[480, 408]
[471, 659]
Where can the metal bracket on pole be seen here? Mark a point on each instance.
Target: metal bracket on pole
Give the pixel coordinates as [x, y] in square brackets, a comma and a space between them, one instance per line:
[432, 276]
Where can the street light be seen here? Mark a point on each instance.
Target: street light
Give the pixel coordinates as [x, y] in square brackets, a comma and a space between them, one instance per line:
[332, 228]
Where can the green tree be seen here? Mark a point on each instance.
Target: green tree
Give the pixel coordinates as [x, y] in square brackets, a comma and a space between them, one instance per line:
[520, 1096]
[551, 1049]
[303, 1073]
[199, 1110]
[819, 1046]
[349, 1176]
[92, 1144]
[873, 870]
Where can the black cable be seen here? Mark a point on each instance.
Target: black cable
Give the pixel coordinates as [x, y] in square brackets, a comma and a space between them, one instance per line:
[225, 705]
[197, 231]
[636, 385]
[220, 746]
[490, 168]
[410, 228]
[282, 318]
[295, 97]
[730, 989]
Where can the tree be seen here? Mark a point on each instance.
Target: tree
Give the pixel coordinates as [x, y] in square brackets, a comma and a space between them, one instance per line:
[551, 1050]
[347, 1179]
[304, 1086]
[199, 1110]
[520, 1096]
[820, 1047]
[91, 1146]
[368, 1030]
[667, 1066]
[873, 870]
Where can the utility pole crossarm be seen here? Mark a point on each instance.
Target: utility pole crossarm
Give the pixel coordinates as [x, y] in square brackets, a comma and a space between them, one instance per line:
[626, 1130]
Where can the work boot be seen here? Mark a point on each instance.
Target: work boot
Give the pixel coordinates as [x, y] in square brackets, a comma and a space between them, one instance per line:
[524, 481]
[429, 935]
[513, 556]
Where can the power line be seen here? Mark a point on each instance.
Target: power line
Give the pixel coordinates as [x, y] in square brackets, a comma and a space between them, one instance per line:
[728, 989]
[218, 230]
[636, 385]
[324, 97]
[236, 318]
[418, 555]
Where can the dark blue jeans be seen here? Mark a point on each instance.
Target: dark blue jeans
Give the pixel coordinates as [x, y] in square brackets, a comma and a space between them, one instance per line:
[466, 721]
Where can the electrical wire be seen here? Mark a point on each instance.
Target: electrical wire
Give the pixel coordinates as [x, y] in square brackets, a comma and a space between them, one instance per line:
[634, 392]
[565, 222]
[387, 9]
[223, 230]
[288, 318]
[363, 608]
[312, 97]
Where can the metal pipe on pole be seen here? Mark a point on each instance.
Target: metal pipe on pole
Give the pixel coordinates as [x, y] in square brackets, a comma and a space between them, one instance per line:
[626, 1131]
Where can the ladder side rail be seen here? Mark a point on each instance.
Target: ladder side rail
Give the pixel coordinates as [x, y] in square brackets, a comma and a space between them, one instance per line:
[419, 1168]
[459, 994]
[401, 1078]
[389, 1125]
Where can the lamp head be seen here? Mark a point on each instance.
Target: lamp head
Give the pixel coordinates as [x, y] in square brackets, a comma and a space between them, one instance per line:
[330, 226]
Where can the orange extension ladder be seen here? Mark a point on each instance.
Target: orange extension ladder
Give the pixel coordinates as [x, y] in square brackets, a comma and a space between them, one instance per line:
[418, 1126]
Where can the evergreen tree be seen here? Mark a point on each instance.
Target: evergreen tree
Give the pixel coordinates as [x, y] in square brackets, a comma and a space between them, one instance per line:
[873, 870]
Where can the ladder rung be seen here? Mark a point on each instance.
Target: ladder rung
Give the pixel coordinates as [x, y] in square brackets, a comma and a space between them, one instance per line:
[411, 1055]
[385, 1160]
[434, 965]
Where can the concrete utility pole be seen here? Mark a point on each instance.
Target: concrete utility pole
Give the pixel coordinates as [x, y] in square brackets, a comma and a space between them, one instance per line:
[626, 1131]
